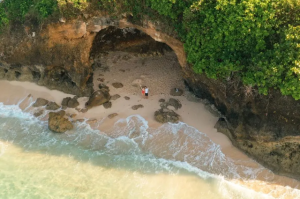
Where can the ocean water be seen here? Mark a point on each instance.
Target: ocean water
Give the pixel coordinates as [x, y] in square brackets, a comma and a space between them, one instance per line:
[131, 160]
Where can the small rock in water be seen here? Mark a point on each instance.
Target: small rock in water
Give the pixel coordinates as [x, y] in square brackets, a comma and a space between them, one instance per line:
[92, 121]
[127, 98]
[79, 120]
[38, 113]
[57, 122]
[134, 134]
[161, 100]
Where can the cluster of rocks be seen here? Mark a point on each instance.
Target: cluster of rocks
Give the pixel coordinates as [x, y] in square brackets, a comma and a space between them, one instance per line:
[102, 96]
[69, 102]
[165, 113]
[58, 121]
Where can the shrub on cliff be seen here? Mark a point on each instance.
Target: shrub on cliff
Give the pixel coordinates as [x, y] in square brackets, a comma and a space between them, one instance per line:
[3, 17]
[17, 10]
[256, 40]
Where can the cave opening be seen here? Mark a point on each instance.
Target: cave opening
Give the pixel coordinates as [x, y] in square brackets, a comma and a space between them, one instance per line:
[135, 59]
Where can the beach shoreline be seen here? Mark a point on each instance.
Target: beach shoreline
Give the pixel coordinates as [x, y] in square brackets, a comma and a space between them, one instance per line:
[193, 112]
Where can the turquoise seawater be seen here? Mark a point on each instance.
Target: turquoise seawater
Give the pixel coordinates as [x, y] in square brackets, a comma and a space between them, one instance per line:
[131, 161]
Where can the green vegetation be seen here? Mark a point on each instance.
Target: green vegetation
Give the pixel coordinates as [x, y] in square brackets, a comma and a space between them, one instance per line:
[3, 17]
[256, 41]
[17, 10]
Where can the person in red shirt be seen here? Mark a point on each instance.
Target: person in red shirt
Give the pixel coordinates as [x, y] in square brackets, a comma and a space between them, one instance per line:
[143, 90]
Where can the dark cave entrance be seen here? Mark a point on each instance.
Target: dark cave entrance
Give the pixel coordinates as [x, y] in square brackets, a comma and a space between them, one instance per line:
[130, 56]
[126, 40]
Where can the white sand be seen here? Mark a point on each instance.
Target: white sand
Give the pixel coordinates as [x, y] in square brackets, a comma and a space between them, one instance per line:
[160, 74]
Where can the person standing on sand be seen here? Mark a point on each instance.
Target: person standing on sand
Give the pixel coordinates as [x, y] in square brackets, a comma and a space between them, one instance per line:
[146, 91]
[143, 90]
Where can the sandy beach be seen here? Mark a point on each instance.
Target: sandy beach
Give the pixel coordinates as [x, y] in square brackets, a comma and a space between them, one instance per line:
[160, 74]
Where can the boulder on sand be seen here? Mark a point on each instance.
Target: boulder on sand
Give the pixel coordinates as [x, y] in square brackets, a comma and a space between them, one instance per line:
[175, 103]
[52, 106]
[166, 115]
[117, 85]
[172, 102]
[110, 116]
[107, 105]
[70, 102]
[57, 122]
[40, 102]
[103, 86]
[114, 97]
[136, 107]
[98, 98]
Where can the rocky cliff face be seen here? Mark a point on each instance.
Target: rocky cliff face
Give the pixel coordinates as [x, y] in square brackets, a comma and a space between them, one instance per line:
[56, 57]
[265, 127]
[60, 57]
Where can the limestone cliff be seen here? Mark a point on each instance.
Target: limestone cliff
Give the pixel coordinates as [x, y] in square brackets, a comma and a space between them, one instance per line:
[265, 127]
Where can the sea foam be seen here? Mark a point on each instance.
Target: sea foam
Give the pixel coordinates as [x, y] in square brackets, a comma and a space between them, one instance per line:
[172, 149]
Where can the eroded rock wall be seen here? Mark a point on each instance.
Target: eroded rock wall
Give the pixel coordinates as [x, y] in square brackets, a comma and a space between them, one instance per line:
[265, 127]
[56, 57]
